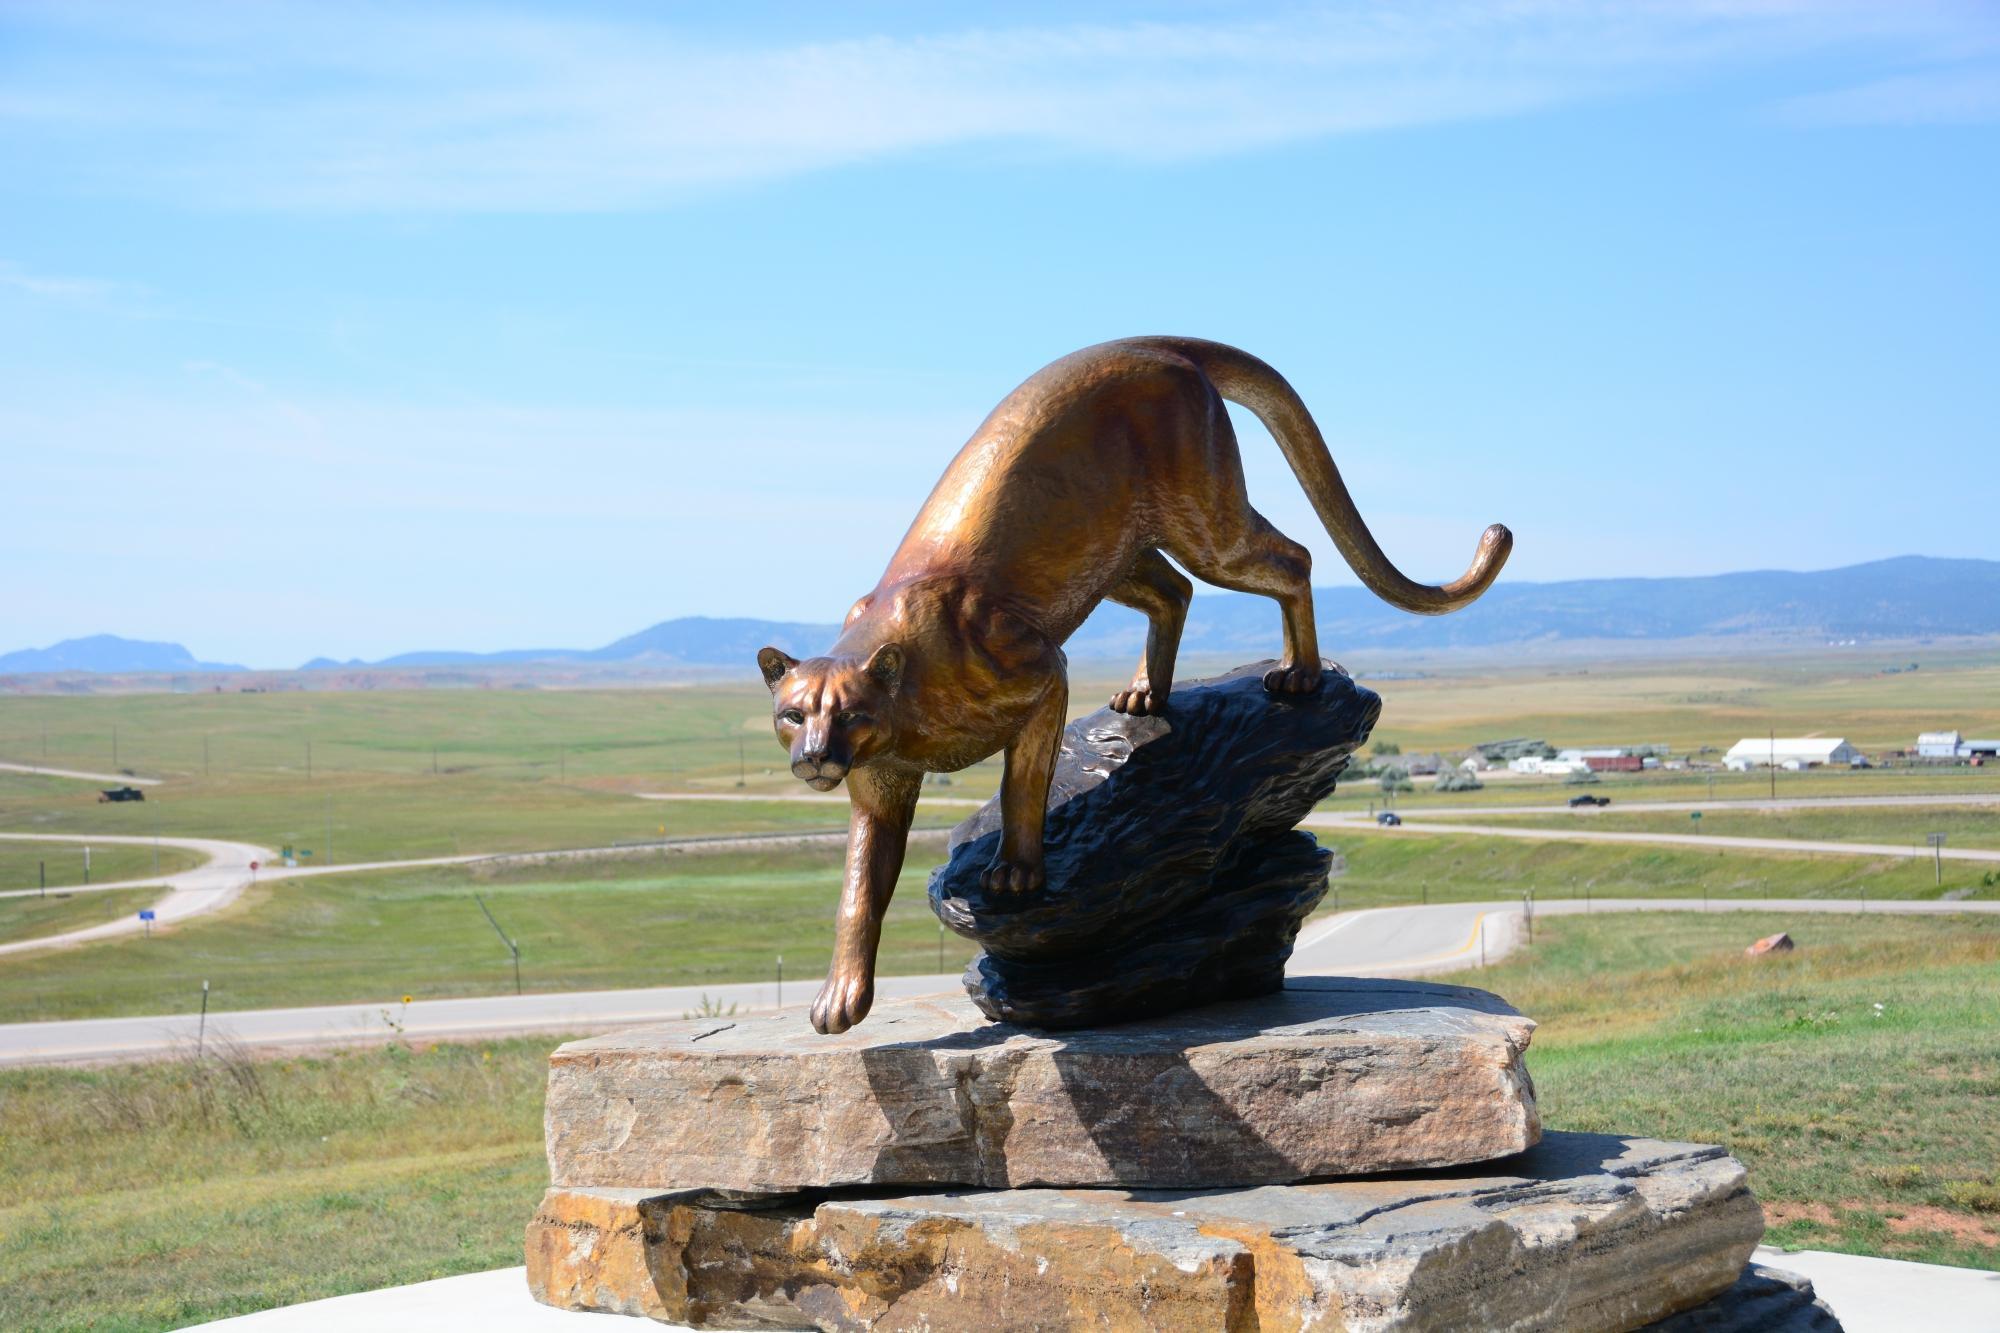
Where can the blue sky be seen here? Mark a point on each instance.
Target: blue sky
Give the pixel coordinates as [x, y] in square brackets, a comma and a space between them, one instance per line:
[355, 329]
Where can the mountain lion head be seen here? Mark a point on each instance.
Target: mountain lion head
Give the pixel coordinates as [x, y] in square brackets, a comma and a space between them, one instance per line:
[832, 713]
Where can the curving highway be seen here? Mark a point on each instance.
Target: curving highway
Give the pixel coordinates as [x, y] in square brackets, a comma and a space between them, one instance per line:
[206, 888]
[1377, 941]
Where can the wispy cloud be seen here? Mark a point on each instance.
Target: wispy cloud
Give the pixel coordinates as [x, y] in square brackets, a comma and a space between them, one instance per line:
[53, 287]
[1952, 95]
[389, 108]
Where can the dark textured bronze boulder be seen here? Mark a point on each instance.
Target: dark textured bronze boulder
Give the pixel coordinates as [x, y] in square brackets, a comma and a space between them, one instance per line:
[1176, 875]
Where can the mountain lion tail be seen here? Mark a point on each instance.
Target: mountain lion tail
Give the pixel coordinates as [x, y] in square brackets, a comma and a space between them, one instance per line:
[1242, 378]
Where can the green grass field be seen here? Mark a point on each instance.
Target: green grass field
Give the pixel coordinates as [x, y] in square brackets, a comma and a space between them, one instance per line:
[412, 773]
[22, 864]
[1683, 785]
[36, 915]
[376, 936]
[1963, 826]
[1858, 1077]
[1406, 865]
[151, 1196]
[698, 919]
[157, 1196]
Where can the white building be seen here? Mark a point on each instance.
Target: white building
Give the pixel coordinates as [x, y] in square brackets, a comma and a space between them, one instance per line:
[1789, 752]
[1529, 763]
[1939, 744]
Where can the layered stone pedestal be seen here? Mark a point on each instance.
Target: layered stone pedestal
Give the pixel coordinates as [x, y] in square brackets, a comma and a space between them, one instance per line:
[1327, 1077]
[930, 1170]
[1583, 1231]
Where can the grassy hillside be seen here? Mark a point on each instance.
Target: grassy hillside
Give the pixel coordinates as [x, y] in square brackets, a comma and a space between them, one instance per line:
[373, 937]
[152, 1196]
[1858, 1077]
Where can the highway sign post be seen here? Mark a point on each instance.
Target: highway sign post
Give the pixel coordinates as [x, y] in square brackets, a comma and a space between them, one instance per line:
[146, 916]
[1936, 841]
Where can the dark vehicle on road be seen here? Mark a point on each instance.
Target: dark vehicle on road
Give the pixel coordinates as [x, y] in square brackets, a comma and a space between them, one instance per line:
[120, 794]
[1587, 799]
[1389, 819]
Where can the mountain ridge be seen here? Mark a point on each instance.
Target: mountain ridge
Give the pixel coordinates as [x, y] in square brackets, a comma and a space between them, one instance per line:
[1905, 597]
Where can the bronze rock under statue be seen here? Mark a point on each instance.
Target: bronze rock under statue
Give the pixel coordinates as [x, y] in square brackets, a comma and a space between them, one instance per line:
[1075, 489]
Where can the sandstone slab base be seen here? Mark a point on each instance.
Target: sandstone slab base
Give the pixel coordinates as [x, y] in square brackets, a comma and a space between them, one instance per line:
[1329, 1076]
[1584, 1232]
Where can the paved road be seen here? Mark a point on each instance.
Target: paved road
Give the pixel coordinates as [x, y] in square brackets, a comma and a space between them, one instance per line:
[227, 873]
[110, 779]
[1868, 1295]
[207, 887]
[1381, 941]
[1426, 824]
[1558, 804]
[1555, 805]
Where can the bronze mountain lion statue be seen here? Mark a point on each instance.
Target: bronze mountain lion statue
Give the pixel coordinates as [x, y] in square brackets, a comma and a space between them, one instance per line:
[1077, 488]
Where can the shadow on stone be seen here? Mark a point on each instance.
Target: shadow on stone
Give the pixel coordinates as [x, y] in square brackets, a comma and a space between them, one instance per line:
[1176, 875]
[1148, 1109]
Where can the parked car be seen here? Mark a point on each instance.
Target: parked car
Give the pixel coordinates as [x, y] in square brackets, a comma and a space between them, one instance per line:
[120, 794]
[1389, 819]
[1585, 798]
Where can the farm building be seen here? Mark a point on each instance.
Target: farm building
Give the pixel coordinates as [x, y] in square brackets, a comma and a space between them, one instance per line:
[1790, 752]
[1952, 745]
[1546, 767]
[1613, 763]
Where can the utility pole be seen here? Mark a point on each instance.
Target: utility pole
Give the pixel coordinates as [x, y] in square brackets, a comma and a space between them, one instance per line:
[1937, 856]
[42, 867]
[512, 947]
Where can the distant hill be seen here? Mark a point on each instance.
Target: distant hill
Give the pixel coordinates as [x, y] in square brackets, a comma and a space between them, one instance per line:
[107, 652]
[1910, 597]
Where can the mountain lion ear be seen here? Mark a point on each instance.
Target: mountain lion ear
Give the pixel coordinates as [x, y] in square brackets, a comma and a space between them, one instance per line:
[885, 665]
[774, 665]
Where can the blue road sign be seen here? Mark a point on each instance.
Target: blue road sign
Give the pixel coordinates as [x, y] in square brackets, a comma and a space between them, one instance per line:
[146, 914]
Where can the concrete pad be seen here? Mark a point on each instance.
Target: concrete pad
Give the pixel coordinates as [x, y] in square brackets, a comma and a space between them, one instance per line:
[1870, 1295]
[492, 1302]
[1892, 1296]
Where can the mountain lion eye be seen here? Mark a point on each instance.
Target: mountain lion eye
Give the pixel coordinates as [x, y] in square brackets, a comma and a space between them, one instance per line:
[847, 719]
[793, 716]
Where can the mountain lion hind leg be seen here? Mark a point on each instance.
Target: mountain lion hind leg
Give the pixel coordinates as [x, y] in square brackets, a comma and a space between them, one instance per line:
[1162, 592]
[1253, 556]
